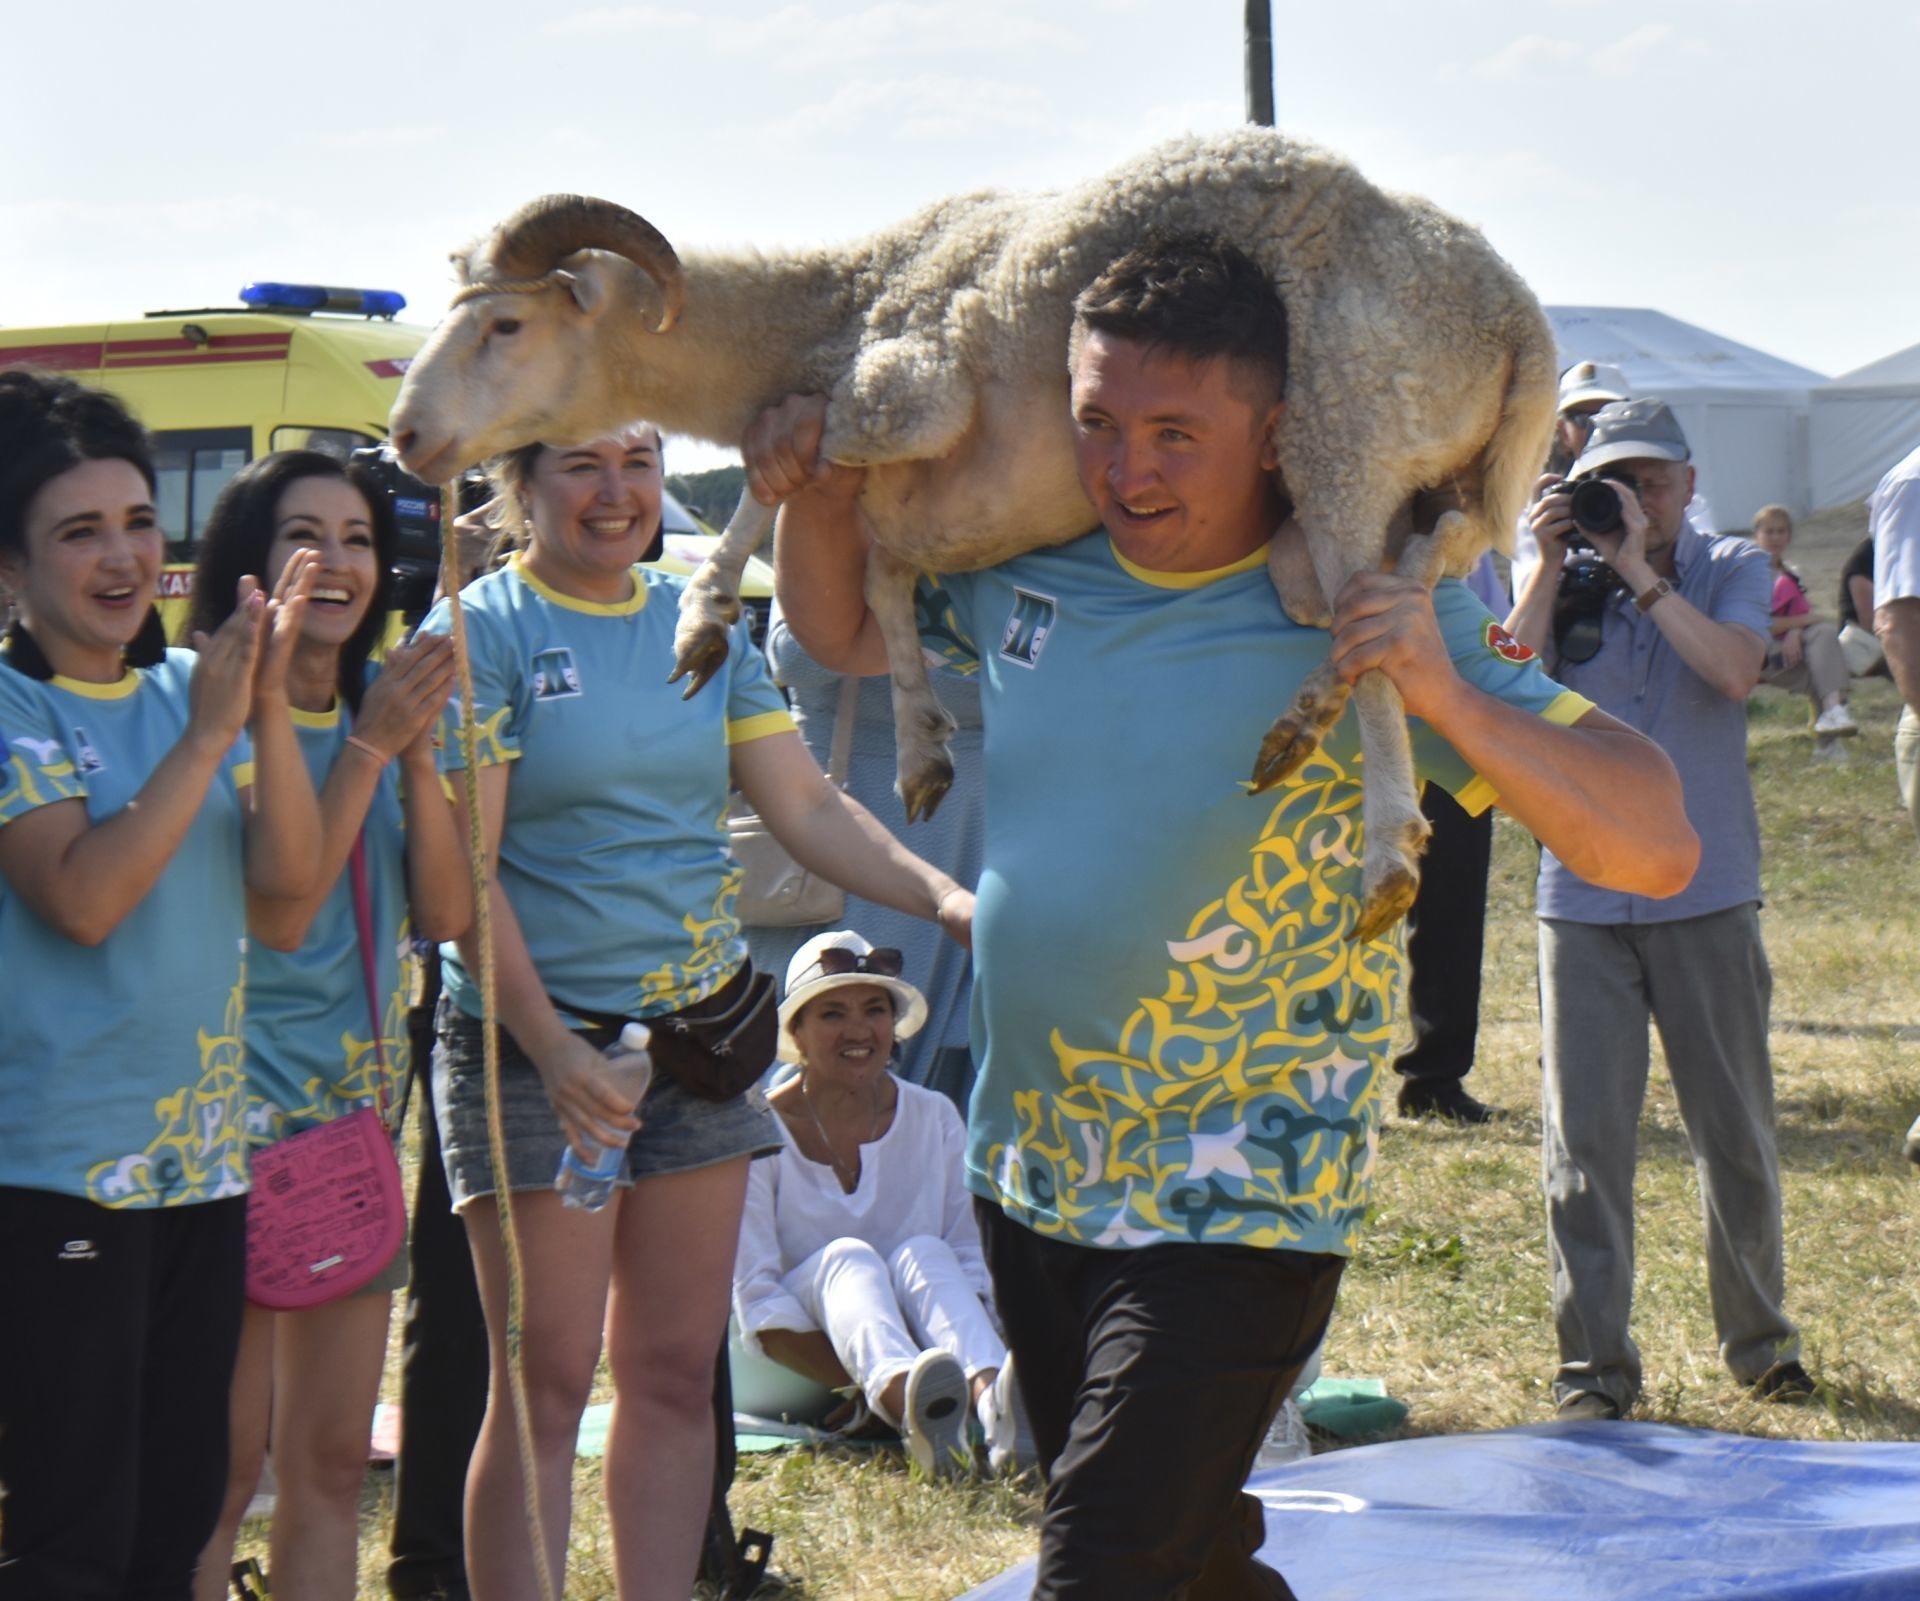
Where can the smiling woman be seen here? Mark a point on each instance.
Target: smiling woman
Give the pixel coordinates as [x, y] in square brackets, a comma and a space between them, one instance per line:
[136, 823]
[326, 996]
[602, 790]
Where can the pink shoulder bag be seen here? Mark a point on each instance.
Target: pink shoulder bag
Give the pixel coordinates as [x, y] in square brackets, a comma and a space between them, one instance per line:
[327, 1213]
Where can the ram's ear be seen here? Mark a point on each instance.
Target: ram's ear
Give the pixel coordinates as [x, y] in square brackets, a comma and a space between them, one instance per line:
[588, 281]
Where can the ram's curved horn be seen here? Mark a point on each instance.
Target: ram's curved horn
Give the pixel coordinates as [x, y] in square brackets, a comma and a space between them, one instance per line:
[544, 231]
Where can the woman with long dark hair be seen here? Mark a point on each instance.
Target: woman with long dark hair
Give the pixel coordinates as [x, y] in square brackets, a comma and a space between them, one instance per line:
[319, 1045]
[138, 820]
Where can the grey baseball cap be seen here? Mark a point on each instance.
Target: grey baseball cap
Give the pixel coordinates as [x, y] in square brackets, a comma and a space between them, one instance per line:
[1631, 430]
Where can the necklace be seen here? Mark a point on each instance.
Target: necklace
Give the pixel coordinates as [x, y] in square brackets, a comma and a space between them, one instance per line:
[849, 1176]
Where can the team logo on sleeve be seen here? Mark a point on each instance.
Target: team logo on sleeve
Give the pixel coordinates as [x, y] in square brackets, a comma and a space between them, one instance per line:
[85, 758]
[554, 675]
[1503, 644]
[1028, 625]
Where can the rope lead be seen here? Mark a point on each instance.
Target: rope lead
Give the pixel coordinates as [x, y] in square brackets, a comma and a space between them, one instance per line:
[469, 731]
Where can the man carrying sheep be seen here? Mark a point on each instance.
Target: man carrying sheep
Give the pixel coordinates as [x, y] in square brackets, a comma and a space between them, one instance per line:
[1173, 1132]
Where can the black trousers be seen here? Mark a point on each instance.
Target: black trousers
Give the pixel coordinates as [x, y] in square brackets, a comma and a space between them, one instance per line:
[117, 1343]
[1445, 941]
[1150, 1376]
[443, 1370]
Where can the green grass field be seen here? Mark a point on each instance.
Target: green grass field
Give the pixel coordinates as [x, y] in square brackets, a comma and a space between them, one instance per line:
[1448, 1299]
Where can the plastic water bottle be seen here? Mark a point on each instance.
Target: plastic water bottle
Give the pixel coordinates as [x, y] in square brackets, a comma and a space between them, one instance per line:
[588, 1188]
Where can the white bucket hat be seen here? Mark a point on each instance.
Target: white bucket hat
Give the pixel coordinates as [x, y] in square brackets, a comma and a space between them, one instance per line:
[813, 971]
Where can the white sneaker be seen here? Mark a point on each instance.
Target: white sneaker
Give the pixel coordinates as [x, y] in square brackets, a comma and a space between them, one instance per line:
[1003, 1420]
[937, 1409]
[1836, 720]
[1287, 1439]
[1912, 1147]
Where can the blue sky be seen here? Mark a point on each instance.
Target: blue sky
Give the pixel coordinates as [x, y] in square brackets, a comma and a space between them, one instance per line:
[1743, 164]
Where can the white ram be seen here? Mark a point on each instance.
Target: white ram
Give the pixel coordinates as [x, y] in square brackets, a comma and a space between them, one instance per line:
[1418, 360]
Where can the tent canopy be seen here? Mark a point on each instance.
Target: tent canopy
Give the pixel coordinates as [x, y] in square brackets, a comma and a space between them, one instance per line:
[1864, 422]
[1745, 412]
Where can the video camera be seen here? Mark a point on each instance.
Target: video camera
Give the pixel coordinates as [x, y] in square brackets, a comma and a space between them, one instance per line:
[416, 509]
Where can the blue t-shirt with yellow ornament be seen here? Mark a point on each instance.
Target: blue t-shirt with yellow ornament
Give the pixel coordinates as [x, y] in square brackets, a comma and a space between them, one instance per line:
[310, 1044]
[613, 854]
[121, 1072]
[1175, 1040]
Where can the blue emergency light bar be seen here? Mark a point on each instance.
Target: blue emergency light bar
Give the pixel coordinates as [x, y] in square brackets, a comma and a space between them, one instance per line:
[318, 297]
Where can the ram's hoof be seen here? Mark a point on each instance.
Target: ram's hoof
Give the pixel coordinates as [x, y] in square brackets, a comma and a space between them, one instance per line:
[1289, 744]
[702, 653]
[925, 787]
[1386, 903]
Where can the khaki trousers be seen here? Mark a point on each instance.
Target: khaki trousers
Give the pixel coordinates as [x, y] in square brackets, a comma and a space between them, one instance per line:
[1705, 984]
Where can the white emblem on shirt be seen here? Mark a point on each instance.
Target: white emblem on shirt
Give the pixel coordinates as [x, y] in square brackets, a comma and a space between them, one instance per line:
[44, 750]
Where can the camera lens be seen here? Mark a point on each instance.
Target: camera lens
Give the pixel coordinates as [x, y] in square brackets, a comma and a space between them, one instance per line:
[1594, 506]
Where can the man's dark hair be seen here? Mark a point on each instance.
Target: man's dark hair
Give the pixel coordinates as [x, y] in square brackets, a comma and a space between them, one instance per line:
[1192, 294]
[240, 532]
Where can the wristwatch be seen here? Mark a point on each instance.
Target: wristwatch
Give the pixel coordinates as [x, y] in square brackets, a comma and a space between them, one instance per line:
[1655, 592]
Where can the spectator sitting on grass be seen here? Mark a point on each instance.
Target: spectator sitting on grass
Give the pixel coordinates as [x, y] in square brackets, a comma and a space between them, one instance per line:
[859, 1262]
[1804, 656]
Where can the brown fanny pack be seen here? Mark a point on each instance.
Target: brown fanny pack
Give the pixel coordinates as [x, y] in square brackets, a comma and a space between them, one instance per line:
[719, 1046]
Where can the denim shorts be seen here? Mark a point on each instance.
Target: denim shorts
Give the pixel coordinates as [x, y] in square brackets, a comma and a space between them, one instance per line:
[678, 1130]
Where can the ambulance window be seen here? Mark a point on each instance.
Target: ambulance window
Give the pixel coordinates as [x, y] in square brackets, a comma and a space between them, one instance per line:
[339, 443]
[171, 465]
[192, 467]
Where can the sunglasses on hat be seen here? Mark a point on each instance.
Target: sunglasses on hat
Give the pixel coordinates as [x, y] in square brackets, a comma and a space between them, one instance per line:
[883, 961]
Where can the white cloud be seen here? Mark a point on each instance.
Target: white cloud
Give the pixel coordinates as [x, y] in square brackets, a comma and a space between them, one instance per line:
[1525, 57]
[621, 19]
[382, 138]
[1624, 56]
[803, 36]
[926, 106]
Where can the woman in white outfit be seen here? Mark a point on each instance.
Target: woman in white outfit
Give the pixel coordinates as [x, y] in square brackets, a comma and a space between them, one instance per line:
[859, 1265]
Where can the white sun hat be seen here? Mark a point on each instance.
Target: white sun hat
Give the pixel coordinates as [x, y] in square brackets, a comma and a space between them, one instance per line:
[835, 960]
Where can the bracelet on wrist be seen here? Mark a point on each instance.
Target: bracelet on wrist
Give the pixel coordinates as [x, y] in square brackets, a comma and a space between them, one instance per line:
[360, 744]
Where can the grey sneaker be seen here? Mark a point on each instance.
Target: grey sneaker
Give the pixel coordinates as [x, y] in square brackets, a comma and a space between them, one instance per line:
[1836, 720]
[1587, 1406]
[1287, 1439]
[937, 1409]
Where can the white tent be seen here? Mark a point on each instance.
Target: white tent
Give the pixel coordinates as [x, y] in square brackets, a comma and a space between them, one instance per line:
[1745, 413]
[1864, 422]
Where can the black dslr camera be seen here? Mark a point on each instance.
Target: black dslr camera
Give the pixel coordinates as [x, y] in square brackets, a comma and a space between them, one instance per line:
[1594, 508]
[416, 509]
[1587, 585]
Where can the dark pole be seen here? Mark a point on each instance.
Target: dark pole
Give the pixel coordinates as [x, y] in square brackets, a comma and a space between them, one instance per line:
[1260, 62]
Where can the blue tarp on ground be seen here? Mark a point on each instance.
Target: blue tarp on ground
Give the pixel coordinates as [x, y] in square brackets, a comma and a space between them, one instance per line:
[1590, 1512]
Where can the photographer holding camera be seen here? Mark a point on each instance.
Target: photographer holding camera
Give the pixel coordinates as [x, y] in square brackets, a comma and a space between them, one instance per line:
[1665, 628]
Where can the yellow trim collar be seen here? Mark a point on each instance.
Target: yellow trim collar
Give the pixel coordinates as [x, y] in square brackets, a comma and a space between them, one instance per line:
[330, 718]
[1213, 575]
[124, 686]
[637, 601]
